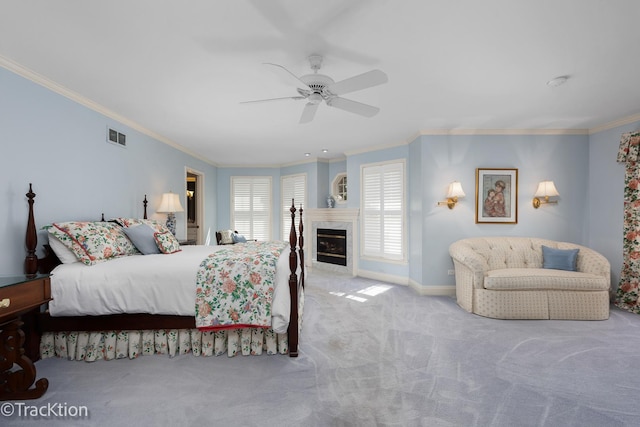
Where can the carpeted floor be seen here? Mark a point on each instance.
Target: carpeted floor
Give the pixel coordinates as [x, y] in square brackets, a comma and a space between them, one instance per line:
[380, 357]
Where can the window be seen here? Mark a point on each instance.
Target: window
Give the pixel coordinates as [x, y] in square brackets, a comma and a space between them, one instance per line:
[251, 206]
[383, 210]
[293, 187]
[339, 188]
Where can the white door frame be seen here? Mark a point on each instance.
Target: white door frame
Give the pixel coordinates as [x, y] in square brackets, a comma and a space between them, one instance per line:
[199, 202]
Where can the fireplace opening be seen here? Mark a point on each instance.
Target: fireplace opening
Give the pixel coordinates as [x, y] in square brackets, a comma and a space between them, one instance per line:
[332, 246]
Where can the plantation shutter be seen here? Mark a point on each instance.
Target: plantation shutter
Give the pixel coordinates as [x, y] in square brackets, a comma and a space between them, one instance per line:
[251, 207]
[383, 211]
[293, 187]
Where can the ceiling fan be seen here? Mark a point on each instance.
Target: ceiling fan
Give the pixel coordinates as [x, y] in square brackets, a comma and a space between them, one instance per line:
[319, 87]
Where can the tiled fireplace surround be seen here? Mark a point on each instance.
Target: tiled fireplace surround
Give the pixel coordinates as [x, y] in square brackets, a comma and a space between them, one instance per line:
[337, 219]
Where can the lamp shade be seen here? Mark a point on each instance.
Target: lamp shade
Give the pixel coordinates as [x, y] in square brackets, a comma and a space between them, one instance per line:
[546, 189]
[170, 203]
[455, 190]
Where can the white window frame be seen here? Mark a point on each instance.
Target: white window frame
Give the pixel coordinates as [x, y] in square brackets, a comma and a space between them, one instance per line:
[379, 254]
[251, 233]
[285, 203]
[336, 191]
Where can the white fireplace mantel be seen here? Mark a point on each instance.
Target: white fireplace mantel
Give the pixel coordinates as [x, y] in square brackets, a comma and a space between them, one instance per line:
[342, 218]
[332, 214]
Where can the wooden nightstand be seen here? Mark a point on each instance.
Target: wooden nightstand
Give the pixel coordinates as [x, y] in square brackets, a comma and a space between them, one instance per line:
[19, 295]
[190, 242]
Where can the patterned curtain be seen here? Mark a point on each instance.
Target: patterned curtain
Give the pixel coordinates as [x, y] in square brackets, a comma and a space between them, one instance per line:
[628, 294]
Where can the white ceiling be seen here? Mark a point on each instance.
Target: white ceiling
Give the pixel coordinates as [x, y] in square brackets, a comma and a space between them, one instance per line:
[180, 69]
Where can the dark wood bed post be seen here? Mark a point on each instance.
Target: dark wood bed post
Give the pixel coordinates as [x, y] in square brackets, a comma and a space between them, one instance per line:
[292, 331]
[301, 248]
[145, 203]
[31, 260]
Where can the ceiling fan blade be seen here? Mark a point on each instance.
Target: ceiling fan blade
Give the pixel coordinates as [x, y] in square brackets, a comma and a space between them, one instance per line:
[359, 82]
[353, 106]
[280, 66]
[296, 98]
[309, 112]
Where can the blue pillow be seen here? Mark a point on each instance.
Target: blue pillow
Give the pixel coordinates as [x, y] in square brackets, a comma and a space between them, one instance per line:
[559, 259]
[142, 237]
[238, 238]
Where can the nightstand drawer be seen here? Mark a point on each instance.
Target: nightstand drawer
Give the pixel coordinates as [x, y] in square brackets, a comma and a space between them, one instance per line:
[19, 298]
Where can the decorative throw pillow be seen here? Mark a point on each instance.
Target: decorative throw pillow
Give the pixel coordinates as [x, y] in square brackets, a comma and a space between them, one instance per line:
[125, 245]
[143, 237]
[92, 242]
[167, 242]
[226, 237]
[132, 222]
[238, 238]
[559, 259]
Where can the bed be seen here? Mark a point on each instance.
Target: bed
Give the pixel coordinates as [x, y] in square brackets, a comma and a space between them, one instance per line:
[131, 304]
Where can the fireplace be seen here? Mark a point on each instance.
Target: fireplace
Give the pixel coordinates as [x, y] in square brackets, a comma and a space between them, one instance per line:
[344, 220]
[331, 246]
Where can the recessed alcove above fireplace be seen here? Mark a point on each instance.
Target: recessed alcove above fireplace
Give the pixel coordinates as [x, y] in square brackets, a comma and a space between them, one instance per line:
[342, 222]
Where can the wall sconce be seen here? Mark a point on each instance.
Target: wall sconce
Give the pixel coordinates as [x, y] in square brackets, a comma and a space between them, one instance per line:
[169, 204]
[545, 190]
[455, 191]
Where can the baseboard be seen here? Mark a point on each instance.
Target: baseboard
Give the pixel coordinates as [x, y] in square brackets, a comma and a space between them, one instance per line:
[446, 291]
[404, 281]
[384, 277]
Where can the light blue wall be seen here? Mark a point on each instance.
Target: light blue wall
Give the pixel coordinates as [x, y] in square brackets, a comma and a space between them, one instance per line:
[434, 161]
[323, 189]
[60, 146]
[561, 158]
[415, 207]
[606, 196]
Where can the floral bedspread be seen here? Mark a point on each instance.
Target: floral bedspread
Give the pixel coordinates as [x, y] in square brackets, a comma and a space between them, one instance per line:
[234, 286]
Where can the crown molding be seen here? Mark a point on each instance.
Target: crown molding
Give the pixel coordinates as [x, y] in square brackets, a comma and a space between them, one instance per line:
[620, 122]
[433, 132]
[375, 148]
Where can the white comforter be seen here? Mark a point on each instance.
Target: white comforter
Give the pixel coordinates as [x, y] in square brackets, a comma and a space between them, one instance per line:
[154, 284]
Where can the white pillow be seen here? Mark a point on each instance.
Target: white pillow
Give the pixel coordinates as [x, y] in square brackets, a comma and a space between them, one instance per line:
[226, 237]
[64, 254]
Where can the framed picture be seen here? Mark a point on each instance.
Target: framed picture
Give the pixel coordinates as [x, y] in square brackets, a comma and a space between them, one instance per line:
[496, 196]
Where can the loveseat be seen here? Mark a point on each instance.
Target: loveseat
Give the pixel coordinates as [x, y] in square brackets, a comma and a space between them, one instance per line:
[506, 278]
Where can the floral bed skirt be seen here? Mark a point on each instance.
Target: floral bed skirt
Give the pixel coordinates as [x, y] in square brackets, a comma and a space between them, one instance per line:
[109, 345]
[91, 346]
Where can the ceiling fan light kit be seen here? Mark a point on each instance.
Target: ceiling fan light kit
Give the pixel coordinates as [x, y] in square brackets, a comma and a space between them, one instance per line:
[321, 87]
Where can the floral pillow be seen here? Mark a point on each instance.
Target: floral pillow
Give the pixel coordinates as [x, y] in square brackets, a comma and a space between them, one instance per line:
[132, 222]
[124, 243]
[92, 242]
[167, 242]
